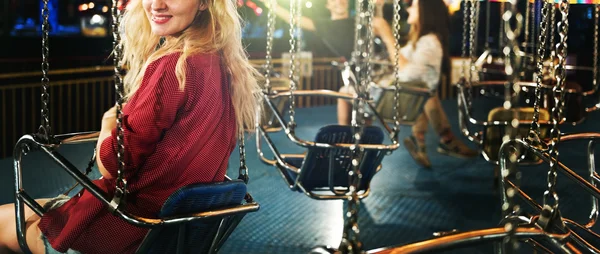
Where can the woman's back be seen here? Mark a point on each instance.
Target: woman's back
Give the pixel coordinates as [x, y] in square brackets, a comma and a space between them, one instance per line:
[170, 141]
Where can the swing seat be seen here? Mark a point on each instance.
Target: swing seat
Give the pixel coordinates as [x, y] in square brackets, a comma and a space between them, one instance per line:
[322, 173]
[411, 99]
[493, 134]
[199, 236]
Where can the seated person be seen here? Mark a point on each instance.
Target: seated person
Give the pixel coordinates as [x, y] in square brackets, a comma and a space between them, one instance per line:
[424, 58]
[336, 33]
[188, 101]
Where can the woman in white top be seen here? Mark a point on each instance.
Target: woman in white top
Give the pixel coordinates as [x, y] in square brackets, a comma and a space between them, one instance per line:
[425, 58]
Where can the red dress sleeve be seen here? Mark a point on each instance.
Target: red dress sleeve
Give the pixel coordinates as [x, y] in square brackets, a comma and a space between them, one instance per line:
[148, 114]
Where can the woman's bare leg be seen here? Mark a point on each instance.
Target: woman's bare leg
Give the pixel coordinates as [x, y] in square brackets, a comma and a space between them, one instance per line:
[8, 230]
[344, 111]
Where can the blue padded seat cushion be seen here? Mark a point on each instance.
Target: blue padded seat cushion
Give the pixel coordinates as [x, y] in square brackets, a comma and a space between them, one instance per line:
[203, 197]
[317, 159]
[191, 199]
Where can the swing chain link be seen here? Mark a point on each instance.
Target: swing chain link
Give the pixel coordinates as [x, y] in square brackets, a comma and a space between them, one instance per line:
[294, 27]
[559, 96]
[533, 28]
[467, 28]
[534, 131]
[396, 24]
[466, 22]
[121, 182]
[596, 19]
[45, 131]
[474, 17]
[526, 30]
[552, 37]
[243, 171]
[512, 61]
[350, 240]
[269, 50]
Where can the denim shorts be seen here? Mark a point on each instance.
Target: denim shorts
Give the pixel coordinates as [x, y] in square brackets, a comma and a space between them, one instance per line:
[53, 204]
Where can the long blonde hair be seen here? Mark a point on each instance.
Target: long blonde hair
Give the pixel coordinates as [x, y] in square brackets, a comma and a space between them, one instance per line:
[218, 29]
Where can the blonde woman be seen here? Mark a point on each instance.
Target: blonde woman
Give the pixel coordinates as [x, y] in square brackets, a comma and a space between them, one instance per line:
[187, 102]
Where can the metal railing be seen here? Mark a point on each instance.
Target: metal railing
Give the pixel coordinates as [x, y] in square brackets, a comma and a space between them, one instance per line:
[80, 96]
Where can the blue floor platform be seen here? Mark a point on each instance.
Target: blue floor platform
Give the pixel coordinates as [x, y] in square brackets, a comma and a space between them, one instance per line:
[407, 203]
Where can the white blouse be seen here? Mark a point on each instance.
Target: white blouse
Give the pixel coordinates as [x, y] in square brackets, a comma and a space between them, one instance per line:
[424, 61]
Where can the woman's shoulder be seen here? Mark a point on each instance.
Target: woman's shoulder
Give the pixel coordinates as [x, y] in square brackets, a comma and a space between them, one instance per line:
[430, 40]
[204, 59]
[195, 60]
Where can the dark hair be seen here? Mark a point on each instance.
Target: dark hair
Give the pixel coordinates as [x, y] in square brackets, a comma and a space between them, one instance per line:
[434, 18]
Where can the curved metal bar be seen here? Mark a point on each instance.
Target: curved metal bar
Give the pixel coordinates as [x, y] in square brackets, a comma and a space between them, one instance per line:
[590, 188]
[21, 148]
[592, 172]
[314, 195]
[260, 129]
[538, 246]
[278, 158]
[301, 142]
[77, 138]
[322, 92]
[524, 85]
[415, 90]
[470, 237]
[574, 236]
[464, 117]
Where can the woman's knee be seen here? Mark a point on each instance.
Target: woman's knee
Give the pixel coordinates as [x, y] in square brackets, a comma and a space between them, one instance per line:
[8, 229]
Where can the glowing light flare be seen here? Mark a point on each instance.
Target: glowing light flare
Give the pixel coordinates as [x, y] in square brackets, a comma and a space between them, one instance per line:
[251, 4]
[83, 7]
[97, 20]
[308, 4]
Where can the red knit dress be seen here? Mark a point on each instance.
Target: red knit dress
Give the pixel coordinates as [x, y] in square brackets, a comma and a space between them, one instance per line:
[173, 138]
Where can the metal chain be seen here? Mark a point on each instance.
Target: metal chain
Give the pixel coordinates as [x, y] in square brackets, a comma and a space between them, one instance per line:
[596, 19]
[468, 16]
[121, 182]
[474, 14]
[512, 61]
[534, 131]
[527, 20]
[298, 41]
[243, 171]
[292, 74]
[559, 97]
[464, 36]
[45, 129]
[269, 50]
[357, 26]
[533, 30]
[351, 242]
[396, 24]
[552, 40]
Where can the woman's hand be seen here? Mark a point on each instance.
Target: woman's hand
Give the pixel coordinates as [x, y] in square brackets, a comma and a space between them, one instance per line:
[109, 119]
[381, 28]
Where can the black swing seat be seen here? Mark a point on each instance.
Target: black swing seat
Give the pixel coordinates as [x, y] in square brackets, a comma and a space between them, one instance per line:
[322, 173]
[198, 236]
